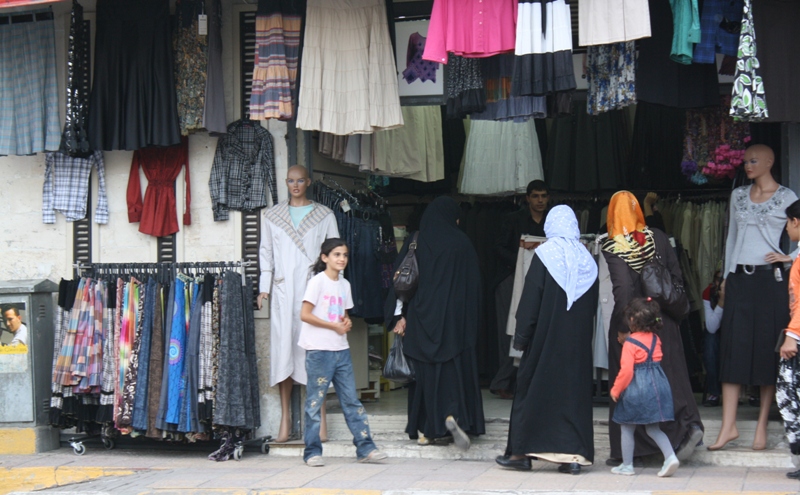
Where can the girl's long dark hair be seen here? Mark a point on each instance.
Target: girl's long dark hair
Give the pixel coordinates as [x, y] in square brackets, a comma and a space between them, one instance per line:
[793, 210]
[329, 245]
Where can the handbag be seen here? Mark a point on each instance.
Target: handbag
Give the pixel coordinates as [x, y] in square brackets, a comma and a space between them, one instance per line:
[660, 285]
[398, 368]
[406, 277]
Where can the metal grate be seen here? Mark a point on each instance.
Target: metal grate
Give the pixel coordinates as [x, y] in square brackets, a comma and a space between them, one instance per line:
[166, 249]
[251, 220]
[82, 234]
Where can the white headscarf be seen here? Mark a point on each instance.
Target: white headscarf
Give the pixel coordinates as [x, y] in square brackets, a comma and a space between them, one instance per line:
[567, 260]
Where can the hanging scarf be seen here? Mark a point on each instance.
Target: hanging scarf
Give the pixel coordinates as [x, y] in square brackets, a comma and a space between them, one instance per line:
[567, 260]
[628, 236]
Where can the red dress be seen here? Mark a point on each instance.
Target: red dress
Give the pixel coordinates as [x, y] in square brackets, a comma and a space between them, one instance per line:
[161, 167]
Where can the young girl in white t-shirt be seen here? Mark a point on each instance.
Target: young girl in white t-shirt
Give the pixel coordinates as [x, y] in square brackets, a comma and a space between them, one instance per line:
[323, 335]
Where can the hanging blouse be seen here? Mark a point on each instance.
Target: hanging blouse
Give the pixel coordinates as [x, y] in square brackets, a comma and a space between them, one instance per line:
[156, 216]
[66, 187]
[720, 25]
[470, 28]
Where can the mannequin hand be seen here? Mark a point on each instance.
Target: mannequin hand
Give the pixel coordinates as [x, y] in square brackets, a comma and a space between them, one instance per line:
[777, 258]
[650, 199]
[789, 348]
[614, 397]
[260, 298]
[400, 327]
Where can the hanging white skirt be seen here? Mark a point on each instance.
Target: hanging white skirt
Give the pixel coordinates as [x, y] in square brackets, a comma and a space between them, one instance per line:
[501, 158]
[601, 22]
[348, 78]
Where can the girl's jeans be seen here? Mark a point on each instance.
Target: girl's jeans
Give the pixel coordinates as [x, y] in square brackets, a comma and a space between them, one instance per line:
[324, 367]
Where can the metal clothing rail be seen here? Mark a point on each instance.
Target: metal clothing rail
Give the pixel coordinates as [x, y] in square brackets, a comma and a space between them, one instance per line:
[163, 268]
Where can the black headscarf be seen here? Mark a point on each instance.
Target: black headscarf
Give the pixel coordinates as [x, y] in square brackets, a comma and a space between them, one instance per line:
[442, 317]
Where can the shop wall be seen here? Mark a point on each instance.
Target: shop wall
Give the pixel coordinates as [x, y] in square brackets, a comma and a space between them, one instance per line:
[32, 249]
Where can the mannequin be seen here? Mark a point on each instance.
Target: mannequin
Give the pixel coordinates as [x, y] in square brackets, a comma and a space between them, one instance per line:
[291, 234]
[742, 301]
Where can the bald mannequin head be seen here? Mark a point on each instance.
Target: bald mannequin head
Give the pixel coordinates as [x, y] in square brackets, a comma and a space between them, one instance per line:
[758, 161]
[297, 180]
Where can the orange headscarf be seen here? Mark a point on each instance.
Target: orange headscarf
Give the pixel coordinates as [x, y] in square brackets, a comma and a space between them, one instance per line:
[625, 218]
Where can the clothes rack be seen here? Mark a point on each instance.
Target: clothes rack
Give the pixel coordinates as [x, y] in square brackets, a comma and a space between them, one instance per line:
[163, 350]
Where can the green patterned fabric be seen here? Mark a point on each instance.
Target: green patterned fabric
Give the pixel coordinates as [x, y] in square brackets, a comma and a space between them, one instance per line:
[748, 102]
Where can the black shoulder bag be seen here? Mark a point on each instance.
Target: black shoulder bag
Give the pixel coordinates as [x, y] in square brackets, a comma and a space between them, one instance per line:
[406, 277]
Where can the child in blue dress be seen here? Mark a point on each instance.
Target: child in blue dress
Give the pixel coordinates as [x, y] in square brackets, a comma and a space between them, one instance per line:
[641, 389]
[323, 335]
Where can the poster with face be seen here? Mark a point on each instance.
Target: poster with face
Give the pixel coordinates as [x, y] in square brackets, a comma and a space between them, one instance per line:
[13, 325]
[416, 77]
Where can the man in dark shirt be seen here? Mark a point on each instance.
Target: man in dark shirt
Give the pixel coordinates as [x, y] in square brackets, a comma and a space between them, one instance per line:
[529, 220]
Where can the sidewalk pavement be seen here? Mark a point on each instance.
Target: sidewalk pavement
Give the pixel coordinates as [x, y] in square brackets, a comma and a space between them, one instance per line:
[166, 472]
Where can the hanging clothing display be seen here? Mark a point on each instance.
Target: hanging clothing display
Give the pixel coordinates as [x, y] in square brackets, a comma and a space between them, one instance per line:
[66, 187]
[661, 80]
[720, 25]
[75, 138]
[29, 119]
[601, 22]
[498, 72]
[414, 151]
[113, 332]
[191, 64]
[500, 158]
[657, 144]
[464, 87]
[686, 30]
[278, 25]
[133, 103]
[769, 72]
[214, 119]
[416, 68]
[470, 28]
[587, 153]
[243, 169]
[543, 48]
[349, 78]
[161, 166]
[611, 75]
[369, 232]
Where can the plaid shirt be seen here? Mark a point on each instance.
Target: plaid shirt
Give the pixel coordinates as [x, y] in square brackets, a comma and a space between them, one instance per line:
[243, 164]
[66, 187]
[714, 37]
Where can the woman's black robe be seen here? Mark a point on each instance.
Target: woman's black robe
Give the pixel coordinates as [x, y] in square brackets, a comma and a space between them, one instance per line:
[552, 410]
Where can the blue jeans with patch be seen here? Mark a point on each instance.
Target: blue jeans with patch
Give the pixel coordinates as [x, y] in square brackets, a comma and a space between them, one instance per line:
[324, 367]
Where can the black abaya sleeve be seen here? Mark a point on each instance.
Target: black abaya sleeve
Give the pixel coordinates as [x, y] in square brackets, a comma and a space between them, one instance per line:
[530, 303]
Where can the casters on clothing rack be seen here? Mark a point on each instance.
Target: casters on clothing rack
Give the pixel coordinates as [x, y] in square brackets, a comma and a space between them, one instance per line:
[265, 445]
[238, 450]
[108, 443]
[78, 448]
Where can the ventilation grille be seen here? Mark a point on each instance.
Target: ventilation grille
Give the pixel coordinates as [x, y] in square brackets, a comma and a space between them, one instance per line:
[251, 220]
[82, 234]
[166, 249]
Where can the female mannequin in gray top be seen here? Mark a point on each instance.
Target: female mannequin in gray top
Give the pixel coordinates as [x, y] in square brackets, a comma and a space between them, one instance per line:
[756, 300]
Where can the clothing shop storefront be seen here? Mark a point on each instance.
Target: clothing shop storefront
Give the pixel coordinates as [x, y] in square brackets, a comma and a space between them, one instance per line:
[172, 159]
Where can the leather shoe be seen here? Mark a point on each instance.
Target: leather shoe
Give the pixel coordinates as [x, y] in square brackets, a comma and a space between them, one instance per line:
[795, 475]
[507, 462]
[570, 468]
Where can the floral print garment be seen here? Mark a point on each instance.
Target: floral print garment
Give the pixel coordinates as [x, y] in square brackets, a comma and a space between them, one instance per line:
[191, 66]
[611, 74]
[748, 102]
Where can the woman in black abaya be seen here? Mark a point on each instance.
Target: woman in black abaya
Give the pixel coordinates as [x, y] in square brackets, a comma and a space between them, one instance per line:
[440, 328]
[551, 418]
